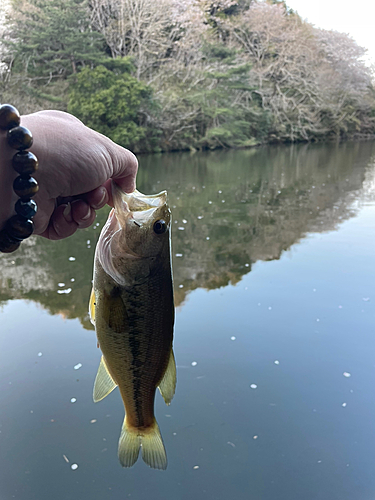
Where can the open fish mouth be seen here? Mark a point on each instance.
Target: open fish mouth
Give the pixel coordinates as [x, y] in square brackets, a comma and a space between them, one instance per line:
[136, 201]
[139, 201]
[139, 207]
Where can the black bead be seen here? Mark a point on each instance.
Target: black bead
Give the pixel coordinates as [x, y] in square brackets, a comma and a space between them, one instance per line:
[7, 243]
[9, 117]
[25, 162]
[19, 228]
[26, 209]
[20, 138]
[25, 187]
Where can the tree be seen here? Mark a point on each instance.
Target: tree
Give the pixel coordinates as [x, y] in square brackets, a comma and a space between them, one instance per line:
[345, 83]
[47, 41]
[205, 73]
[138, 28]
[110, 100]
[311, 82]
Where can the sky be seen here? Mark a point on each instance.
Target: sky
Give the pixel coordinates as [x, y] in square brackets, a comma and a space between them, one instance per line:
[355, 18]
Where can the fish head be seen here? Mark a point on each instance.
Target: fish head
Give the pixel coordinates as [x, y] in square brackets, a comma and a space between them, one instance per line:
[136, 233]
[144, 221]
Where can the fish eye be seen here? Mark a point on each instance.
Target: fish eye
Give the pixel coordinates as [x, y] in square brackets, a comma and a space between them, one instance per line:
[160, 226]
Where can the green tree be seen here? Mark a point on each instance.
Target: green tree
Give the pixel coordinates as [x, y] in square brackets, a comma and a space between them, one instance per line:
[236, 118]
[111, 101]
[49, 40]
[214, 106]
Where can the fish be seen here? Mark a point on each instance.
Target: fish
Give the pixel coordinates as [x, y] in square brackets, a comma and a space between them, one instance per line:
[132, 308]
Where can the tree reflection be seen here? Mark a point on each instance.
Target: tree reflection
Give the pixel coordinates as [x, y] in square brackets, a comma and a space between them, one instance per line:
[230, 209]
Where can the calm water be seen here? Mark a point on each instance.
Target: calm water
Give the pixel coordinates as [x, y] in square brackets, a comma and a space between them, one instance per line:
[274, 267]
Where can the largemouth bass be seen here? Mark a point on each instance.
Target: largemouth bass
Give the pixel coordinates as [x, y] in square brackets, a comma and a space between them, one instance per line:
[132, 308]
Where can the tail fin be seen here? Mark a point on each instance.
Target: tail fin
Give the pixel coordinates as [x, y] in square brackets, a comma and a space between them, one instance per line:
[153, 451]
[128, 446]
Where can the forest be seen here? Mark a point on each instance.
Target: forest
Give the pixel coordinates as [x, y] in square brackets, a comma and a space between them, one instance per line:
[171, 75]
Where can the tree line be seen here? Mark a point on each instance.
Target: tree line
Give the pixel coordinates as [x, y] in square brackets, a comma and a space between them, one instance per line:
[186, 74]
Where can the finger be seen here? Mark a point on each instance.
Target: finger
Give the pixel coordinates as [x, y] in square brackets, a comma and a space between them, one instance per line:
[125, 167]
[61, 224]
[82, 213]
[46, 207]
[97, 198]
[108, 188]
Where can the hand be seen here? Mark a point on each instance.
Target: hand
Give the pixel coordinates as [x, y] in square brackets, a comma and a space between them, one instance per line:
[76, 165]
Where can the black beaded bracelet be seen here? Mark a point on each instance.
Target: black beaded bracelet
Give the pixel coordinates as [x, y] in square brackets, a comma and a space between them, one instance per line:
[20, 226]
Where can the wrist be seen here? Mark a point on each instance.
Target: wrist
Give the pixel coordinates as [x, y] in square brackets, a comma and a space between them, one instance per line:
[19, 138]
[8, 197]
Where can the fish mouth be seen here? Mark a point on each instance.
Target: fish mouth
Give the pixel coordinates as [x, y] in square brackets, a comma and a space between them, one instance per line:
[141, 201]
[137, 206]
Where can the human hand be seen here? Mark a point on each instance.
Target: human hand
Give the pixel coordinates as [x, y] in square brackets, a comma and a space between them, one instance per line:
[76, 165]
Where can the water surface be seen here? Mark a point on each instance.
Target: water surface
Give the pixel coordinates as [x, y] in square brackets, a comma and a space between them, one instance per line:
[274, 269]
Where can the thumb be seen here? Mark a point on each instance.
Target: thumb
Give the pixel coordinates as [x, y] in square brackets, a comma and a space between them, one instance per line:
[125, 167]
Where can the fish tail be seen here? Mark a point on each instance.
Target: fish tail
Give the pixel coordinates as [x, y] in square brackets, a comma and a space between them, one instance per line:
[153, 451]
[128, 446]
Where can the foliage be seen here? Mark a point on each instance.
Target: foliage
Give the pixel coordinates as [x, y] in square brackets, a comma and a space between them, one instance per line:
[109, 100]
[204, 73]
[312, 81]
[46, 42]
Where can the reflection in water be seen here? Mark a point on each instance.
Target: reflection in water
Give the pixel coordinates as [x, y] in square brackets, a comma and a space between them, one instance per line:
[265, 408]
[230, 209]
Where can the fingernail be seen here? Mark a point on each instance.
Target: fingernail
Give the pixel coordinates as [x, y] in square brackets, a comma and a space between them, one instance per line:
[67, 213]
[85, 217]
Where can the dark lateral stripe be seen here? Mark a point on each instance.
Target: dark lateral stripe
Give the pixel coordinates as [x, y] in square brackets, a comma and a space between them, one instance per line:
[135, 344]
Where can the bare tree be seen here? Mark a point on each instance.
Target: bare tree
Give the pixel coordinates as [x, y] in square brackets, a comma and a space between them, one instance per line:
[138, 28]
[282, 49]
[302, 74]
[345, 82]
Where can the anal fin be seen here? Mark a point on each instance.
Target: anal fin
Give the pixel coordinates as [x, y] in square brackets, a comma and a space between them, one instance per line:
[104, 383]
[167, 386]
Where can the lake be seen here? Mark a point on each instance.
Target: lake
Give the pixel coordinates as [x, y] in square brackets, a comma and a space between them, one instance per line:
[274, 275]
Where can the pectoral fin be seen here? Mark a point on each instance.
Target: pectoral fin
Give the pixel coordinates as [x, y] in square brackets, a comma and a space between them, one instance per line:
[114, 312]
[167, 386]
[92, 306]
[104, 383]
